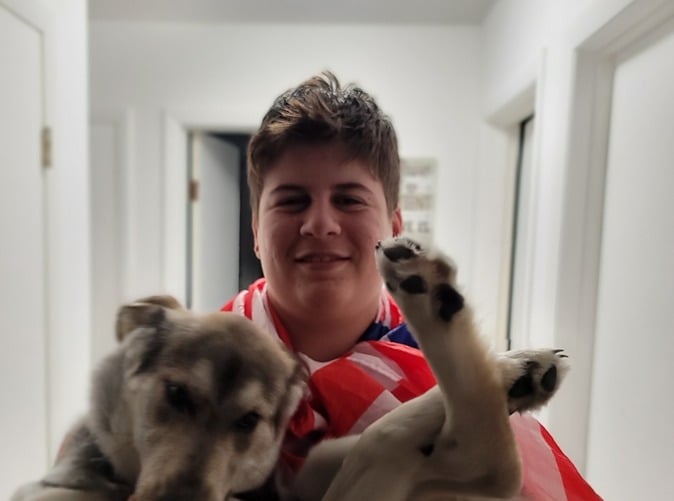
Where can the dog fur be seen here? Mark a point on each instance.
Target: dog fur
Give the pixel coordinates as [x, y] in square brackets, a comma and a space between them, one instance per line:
[188, 407]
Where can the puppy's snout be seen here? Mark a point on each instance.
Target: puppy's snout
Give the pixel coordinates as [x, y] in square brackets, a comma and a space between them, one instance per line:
[177, 490]
[185, 493]
[176, 486]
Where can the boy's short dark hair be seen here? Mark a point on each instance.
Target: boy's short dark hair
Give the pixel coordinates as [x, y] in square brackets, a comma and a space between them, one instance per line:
[321, 110]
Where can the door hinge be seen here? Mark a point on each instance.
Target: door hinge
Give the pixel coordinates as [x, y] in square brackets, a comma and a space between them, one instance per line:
[46, 145]
[193, 190]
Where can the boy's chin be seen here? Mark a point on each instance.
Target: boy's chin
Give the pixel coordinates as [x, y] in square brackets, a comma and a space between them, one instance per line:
[337, 295]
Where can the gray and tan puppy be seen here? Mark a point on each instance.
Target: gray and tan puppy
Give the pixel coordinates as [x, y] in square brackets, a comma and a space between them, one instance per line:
[188, 407]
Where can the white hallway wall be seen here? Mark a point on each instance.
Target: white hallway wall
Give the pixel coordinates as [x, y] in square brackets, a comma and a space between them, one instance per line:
[425, 78]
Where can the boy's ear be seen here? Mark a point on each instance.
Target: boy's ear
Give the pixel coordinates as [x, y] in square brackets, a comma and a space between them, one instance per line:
[256, 246]
[397, 222]
[146, 312]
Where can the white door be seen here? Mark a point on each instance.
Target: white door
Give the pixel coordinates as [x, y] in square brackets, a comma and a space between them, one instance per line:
[214, 223]
[631, 435]
[23, 420]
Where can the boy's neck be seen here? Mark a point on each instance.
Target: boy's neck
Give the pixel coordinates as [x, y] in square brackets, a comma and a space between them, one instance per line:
[326, 336]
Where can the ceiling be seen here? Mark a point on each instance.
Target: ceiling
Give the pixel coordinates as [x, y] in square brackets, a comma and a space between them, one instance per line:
[433, 12]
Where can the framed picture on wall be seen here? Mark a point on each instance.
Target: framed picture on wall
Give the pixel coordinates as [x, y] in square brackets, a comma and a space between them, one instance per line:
[417, 197]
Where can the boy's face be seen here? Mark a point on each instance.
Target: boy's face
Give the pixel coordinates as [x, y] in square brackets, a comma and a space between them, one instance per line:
[319, 218]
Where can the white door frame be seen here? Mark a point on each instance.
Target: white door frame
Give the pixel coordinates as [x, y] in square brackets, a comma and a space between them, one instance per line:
[618, 27]
[176, 126]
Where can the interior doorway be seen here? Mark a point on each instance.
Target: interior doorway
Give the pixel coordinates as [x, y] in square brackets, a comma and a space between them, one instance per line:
[220, 254]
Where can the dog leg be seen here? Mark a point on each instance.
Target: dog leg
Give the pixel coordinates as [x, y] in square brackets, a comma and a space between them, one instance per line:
[81, 473]
[475, 452]
[321, 467]
[389, 453]
[38, 492]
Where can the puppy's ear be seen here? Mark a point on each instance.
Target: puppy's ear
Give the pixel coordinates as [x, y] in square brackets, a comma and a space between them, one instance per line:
[162, 300]
[139, 314]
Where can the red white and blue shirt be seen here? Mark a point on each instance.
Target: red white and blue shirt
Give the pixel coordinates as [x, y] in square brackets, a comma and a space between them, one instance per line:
[384, 369]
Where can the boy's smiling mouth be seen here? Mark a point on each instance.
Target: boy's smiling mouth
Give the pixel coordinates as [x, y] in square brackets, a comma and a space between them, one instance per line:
[320, 258]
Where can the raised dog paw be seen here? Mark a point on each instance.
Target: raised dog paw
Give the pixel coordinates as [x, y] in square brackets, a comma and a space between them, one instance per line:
[421, 280]
[532, 377]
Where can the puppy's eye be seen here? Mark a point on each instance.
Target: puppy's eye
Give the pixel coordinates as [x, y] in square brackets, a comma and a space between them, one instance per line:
[248, 422]
[178, 396]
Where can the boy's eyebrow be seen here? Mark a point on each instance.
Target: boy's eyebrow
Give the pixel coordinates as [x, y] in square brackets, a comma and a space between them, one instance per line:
[286, 189]
[340, 186]
[352, 186]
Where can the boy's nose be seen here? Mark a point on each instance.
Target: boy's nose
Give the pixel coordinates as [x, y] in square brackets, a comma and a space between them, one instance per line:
[320, 220]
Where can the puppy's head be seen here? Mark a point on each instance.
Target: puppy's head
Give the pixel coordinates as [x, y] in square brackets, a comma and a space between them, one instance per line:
[209, 397]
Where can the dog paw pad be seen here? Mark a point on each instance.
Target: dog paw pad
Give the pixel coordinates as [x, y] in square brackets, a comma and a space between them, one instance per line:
[549, 379]
[522, 387]
[414, 284]
[396, 253]
[451, 301]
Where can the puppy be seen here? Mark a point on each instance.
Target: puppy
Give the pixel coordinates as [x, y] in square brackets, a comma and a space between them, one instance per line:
[455, 441]
[189, 407]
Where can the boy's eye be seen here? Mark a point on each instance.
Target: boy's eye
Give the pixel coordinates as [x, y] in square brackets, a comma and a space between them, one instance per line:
[347, 201]
[292, 202]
